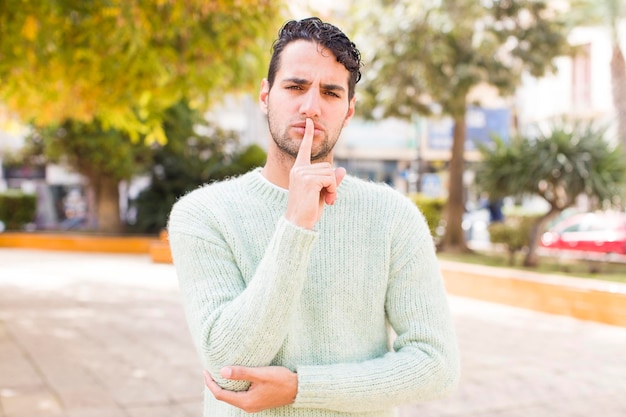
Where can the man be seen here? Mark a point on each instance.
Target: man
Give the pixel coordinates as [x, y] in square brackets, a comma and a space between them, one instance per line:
[293, 275]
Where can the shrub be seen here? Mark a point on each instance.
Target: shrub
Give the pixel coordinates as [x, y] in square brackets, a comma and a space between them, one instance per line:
[17, 209]
[178, 174]
[432, 208]
[513, 233]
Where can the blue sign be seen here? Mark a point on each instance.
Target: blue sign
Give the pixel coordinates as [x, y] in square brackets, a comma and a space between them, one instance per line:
[481, 124]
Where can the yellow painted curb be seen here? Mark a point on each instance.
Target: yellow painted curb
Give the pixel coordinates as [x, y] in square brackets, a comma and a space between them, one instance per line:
[160, 250]
[77, 242]
[584, 299]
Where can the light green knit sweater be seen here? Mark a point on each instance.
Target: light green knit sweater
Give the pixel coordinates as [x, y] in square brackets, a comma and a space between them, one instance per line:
[261, 291]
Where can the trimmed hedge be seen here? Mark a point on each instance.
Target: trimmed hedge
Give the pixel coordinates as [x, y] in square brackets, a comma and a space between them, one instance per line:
[17, 209]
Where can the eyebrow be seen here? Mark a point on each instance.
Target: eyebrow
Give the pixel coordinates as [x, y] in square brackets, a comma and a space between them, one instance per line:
[302, 81]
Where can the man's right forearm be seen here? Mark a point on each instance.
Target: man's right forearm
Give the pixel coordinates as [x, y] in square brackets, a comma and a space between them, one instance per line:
[235, 324]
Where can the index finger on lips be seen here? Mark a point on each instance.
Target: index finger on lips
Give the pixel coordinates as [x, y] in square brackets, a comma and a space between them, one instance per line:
[304, 153]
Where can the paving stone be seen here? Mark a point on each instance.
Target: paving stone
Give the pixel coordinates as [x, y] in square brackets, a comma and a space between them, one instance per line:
[193, 408]
[38, 402]
[157, 411]
[93, 335]
[16, 370]
[96, 412]
[562, 364]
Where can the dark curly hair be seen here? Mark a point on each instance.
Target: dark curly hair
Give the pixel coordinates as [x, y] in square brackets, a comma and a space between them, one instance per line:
[324, 34]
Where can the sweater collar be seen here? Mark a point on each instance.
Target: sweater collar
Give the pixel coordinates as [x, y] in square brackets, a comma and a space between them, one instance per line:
[265, 189]
[259, 171]
[270, 191]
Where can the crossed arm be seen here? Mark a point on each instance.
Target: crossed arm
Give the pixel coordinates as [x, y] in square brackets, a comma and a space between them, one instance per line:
[270, 387]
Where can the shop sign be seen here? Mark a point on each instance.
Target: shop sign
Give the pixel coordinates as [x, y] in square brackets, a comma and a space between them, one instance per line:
[24, 172]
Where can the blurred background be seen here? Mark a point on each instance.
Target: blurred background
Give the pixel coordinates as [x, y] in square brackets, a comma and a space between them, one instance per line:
[498, 118]
[503, 120]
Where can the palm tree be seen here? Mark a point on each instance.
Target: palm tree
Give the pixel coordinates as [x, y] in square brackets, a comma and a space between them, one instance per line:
[557, 164]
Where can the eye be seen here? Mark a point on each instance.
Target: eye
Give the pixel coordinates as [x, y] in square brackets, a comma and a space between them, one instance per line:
[332, 94]
[294, 87]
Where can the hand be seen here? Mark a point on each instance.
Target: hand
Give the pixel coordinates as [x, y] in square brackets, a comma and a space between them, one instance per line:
[311, 185]
[270, 387]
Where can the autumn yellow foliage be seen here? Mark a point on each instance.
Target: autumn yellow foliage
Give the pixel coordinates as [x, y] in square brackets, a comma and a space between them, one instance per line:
[123, 62]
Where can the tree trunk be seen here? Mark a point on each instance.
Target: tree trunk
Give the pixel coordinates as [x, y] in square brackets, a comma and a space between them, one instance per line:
[106, 190]
[454, 238]
[512, 257]
[618, 82]
[532, 257]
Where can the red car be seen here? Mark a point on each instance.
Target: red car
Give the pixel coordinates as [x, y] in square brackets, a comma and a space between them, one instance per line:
[589, 232]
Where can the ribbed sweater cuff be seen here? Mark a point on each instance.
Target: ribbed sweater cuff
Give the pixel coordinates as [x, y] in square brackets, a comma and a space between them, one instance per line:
[295, 238]
[313, 388]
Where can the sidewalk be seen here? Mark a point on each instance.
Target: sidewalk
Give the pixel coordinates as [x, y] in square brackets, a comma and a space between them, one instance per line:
[96, 335]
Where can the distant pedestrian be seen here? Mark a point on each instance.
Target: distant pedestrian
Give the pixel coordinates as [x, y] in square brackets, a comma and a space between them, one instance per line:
[495, 211]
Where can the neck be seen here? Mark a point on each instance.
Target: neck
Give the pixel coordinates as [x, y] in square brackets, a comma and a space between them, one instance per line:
[277, 169]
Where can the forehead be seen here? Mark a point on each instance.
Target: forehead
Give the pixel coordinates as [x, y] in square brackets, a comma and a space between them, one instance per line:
[311, 61]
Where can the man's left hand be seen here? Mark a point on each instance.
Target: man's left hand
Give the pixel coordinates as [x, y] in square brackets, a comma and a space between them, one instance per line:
[270, 387]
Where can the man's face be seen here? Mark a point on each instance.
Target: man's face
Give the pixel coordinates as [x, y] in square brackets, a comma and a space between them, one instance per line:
[309, 83]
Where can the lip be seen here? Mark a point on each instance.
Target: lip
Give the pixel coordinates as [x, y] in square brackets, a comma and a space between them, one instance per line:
[301, 127]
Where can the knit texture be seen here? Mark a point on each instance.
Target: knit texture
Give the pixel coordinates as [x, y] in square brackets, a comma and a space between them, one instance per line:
[258, 291]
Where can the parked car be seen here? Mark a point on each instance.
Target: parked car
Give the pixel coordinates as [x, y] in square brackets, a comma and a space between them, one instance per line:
[603, 232]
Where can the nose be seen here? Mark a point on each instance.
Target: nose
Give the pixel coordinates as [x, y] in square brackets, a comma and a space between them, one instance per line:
[310, 106]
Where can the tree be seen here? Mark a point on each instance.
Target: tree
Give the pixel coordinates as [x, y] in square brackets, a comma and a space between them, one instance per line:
[558, 164]
[94, 76]
[195, 154]
[106, 157]
[428, 55]
[123, 63]
[103, 156]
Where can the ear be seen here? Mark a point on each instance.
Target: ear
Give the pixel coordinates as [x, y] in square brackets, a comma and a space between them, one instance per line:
[264, 95]
[350, 112]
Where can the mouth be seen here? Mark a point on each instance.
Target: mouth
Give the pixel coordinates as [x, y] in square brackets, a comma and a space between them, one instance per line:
[300, 128]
